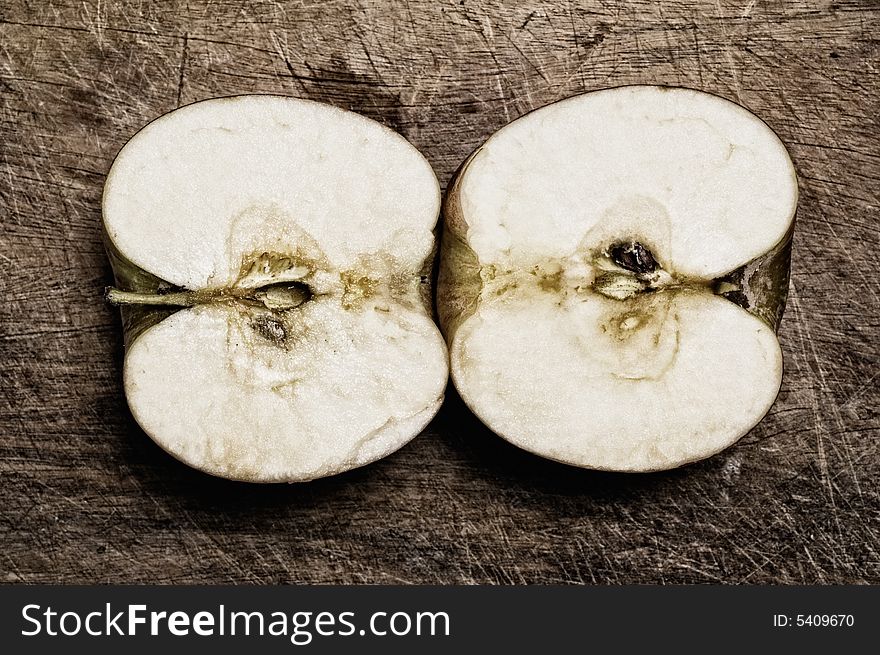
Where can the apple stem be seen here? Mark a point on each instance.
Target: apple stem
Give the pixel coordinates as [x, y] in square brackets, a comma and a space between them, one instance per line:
[276, 297]
[177, 299]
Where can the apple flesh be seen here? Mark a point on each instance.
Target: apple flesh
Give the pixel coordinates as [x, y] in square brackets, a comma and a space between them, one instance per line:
[613, 269]
[272, 258]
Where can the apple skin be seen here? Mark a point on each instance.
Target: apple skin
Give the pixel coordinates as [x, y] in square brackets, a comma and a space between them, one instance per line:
[136, 319]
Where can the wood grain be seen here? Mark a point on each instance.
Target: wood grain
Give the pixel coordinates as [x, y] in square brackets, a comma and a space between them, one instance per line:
[86, 495]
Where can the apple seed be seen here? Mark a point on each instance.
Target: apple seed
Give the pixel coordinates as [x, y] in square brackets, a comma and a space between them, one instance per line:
[633, 256]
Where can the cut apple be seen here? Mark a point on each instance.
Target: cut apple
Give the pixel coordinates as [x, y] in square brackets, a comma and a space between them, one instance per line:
[613, 270]
[273, 259]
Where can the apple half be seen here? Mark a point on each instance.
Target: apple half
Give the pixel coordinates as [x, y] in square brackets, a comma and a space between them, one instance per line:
[613, 270]
[273, 258]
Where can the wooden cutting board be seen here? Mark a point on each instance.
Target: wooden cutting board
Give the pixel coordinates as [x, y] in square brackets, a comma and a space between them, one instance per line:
[87, 497]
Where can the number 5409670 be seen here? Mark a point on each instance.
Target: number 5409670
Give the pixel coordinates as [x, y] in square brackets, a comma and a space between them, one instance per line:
[824, 620]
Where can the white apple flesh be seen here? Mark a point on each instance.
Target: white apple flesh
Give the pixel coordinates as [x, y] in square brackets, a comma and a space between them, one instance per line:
[613, 269]
[273, 256]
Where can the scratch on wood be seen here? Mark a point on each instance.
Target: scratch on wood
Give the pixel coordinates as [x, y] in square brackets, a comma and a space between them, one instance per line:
[747, 9]
[527, 59]
[699, 57]
[182, 67]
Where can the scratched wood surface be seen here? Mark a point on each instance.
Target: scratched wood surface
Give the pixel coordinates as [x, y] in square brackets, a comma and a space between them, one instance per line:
[87, 497]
